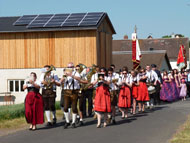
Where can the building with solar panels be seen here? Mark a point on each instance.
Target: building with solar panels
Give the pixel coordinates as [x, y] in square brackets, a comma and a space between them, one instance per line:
[29, 42]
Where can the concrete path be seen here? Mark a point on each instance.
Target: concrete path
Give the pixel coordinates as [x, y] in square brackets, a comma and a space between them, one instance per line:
[156, 126]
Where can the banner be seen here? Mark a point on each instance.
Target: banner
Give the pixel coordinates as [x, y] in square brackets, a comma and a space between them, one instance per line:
[181, 59]
[136, 53]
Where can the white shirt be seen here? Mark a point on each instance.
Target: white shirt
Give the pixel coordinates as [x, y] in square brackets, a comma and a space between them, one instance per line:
[68, 83]
[152, 76]
[135, 79]
[112, 85]
[30, 85]
[95, 78]
[128, 79]
[55, 77]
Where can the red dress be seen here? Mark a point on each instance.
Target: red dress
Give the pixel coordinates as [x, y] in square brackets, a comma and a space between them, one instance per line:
[124, 100]
[102, 99]
[34, 108]
[143, 92]
[135, 91]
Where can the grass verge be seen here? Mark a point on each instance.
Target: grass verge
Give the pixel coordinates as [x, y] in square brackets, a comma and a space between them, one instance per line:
[183, 135]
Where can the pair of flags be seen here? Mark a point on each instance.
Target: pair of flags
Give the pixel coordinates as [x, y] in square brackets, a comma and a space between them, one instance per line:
[136, 54]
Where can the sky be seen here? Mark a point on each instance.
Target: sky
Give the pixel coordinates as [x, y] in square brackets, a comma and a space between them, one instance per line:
[152, 17]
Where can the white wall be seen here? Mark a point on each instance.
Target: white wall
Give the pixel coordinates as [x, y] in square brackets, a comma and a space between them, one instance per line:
[6, 74]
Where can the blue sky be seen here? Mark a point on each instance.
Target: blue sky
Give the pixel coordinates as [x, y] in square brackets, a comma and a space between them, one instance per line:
[155, 17]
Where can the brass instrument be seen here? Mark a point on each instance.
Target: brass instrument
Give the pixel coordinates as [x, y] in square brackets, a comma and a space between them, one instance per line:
[89, 76]
[49, 84]
[82, 67]
[115, 80]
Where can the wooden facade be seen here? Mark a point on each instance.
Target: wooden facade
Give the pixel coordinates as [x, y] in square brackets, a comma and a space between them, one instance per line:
[35, 49]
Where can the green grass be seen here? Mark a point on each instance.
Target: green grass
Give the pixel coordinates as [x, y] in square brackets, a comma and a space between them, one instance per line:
[16, 111]
[183, 135]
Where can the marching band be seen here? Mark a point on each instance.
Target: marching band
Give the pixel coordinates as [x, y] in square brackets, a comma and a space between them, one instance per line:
[105, 89]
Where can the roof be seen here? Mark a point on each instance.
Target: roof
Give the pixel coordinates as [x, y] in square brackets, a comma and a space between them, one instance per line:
[7, 26]
[171, 46]
[124, 58]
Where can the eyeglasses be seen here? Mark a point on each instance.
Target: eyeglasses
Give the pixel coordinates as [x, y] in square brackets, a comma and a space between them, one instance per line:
[124, 73]
[109, 73]
[76, 69]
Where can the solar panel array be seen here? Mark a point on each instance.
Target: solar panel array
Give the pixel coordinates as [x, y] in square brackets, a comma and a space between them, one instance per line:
[60, 20]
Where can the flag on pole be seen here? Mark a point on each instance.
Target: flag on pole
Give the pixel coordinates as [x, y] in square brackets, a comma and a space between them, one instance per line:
[136, 53]
[181, 59]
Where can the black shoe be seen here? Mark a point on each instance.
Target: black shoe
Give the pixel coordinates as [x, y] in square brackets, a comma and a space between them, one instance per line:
[81, 123]
[49, 124]
[54, 121]
[113, 122]
[73, 125]
[66, 125]
[77, 120]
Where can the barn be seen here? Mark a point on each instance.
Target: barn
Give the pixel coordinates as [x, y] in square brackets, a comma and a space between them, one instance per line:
[29, 42]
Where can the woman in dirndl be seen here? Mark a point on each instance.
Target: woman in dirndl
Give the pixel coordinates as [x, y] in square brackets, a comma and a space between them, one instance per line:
[102, 102]
[124, 99]
[135, 87]
[143, 95]
[33, 102]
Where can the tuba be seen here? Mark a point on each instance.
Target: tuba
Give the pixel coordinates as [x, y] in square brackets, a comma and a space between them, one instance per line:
[82, 67]
[48, 80]
[89, 76]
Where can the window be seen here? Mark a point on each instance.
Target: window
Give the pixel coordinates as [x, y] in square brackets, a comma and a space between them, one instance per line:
[15, 85]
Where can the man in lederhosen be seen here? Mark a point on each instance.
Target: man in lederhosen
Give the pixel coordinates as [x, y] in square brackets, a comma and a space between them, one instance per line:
[49, 82]
[71, 89]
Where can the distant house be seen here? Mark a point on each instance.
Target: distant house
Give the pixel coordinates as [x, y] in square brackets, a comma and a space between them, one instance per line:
[160, 58]
[171, 46]
[29, 42]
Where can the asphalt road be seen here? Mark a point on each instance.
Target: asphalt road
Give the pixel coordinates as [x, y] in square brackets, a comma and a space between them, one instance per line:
[156, 126]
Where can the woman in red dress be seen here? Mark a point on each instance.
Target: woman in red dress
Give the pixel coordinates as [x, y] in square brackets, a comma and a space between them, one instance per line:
[33, 103]
[143, 95]
[124, 100]
[102, 103]
[135, 85]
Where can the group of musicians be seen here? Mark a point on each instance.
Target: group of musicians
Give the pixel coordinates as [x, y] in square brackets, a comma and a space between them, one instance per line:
[105, 90]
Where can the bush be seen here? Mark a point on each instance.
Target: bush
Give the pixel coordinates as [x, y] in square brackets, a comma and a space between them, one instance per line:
[16, 111]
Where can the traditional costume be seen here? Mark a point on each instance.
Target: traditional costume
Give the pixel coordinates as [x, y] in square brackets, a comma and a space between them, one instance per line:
[124, 99]
[49, 95]
[71, 91]
[142, 90]
[34, 105]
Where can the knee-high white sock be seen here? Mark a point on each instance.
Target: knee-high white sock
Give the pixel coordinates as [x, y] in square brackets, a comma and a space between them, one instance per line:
[54, 114]
[48, 116]
[74, 116]
[66, 116]
[148, 104]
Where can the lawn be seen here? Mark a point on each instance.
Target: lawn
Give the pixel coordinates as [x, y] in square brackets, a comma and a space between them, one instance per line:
[12, 117]
[183, 135]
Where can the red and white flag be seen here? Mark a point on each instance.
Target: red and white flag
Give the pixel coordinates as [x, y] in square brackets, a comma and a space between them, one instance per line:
[136, 52]
[181, 59]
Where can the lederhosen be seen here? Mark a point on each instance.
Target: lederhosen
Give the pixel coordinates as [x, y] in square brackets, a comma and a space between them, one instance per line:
[49, 96]
[81, 100]
[70, 97]
[114, 96]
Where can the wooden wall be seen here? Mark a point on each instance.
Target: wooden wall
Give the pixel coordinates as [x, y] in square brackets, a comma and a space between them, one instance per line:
[104, 45]
[34, 50]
